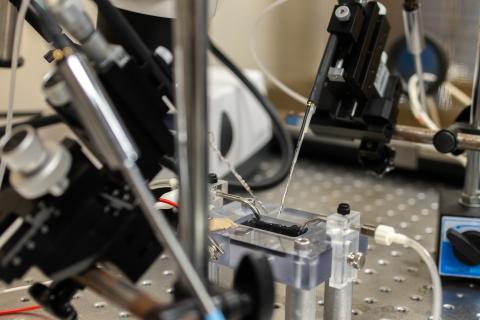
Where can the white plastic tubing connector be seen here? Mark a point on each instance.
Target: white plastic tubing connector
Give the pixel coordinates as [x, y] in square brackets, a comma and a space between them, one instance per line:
[387, 236]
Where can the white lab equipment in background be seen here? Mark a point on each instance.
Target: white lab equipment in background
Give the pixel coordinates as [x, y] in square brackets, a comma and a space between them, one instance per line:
[159, 8]
[234, 110]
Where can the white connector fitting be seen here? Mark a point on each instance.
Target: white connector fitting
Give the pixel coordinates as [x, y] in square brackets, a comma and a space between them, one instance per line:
[386, 236]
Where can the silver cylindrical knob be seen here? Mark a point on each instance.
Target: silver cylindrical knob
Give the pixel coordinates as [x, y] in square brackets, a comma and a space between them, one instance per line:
[24, 151]
[36, 169]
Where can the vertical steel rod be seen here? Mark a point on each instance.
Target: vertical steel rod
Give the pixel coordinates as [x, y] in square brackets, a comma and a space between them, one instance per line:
[471, 192]
[338, 303]
[192, 125]
[300, 304]
[8, 15]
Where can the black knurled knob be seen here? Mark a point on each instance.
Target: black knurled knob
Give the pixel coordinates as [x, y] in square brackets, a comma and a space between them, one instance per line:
[212, 178]
[343, 209]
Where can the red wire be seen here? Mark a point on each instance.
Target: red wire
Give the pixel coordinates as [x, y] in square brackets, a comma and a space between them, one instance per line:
[169, 202]
[19, 310]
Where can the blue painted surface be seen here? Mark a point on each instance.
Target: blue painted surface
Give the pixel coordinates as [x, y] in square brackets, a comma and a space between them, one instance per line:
[449, 265]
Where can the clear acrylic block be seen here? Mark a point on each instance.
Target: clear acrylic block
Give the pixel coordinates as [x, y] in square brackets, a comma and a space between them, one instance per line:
[301, 260]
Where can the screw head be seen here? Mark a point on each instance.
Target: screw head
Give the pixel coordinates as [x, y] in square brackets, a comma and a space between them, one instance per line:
[356, 260]
[343, 209]
[302, 244]
[212, 178]
[343, 13]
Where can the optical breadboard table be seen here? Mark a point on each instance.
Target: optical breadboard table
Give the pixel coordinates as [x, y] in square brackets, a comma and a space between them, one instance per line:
[394, 284]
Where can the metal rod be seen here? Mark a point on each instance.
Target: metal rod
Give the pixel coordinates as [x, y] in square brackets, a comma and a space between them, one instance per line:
[421, 135]
[338, 302]
[249, 202]
[121, 292]
[421, 81]
[106, 130]
[471, 193]
[192, 128]
[300, 304]
[8, 15]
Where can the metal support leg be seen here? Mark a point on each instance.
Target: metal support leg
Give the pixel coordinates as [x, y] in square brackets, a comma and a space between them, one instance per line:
[214, 273]
[8, 16]
[192, 125]
[300, 304]
[471, 193]
[338, 303]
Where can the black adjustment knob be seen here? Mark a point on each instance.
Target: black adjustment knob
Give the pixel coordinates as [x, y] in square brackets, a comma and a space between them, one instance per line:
[56, 298]
[343, 209]
[445, 141]
[212, 178]
[466, 246]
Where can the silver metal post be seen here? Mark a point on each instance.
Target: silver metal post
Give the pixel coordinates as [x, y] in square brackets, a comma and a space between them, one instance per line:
[338, 303]
[471, 192]
[300, 304]
[8, 16]
[192, 128]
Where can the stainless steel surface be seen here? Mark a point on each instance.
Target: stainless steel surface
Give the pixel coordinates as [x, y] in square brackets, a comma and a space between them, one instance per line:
[307, 118]
[104, 125]
[300, 304]
[106, 130]
[190, 35]
[471, 191]
[73, 17]
[422, 135]
[8, 16]
[343, 13]
[394, 284]
[356, 260]
[36, 167]
[338, 303]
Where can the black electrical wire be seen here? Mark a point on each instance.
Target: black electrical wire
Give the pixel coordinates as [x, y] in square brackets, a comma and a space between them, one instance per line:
[44, 23]
[279, 131]
[131, 41]
[20, 114]
[36, 122]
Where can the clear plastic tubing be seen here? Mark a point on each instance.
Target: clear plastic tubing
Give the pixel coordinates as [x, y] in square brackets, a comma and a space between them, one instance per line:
[436, 282]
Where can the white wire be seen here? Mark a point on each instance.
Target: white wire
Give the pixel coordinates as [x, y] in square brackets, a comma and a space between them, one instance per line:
[17, 41]
[415, 104]
[436, 281]
[254, 51]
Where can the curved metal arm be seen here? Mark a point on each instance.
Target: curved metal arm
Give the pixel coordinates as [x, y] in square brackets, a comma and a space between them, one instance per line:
[249, 202]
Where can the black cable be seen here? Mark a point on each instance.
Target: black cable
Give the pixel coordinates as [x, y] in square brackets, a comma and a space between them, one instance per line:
[36, 122]
[44, 23]
[131, 41]
[19, 114]
[279, 131]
